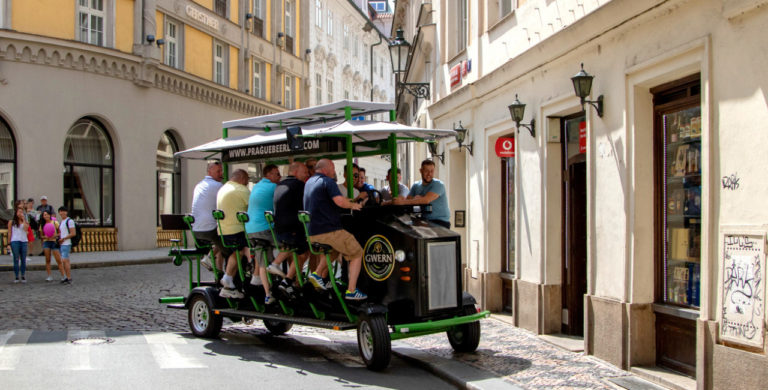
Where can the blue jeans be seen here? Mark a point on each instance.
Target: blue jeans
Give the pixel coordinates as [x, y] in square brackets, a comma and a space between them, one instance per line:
[19, 249]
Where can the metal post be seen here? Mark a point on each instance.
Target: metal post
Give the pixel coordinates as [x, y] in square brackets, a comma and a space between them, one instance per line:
[225, 166]
[394, 185]
[350, 172]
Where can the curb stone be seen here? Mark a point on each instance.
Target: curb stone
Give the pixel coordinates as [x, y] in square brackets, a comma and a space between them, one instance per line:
[458, 374]
[92, 264]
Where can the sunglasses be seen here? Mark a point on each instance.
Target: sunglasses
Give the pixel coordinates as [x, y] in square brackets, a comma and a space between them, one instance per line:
[355, 175]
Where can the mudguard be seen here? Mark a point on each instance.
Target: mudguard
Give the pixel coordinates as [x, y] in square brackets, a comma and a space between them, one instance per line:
[467, 299]
[208, 292]
[372, 308]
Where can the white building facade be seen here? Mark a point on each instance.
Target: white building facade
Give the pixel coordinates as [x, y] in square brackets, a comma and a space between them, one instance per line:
[349, 60]
[634, 227]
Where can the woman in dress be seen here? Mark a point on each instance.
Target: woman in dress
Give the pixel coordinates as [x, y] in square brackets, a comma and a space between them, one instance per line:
[18, 227]
[49, 228]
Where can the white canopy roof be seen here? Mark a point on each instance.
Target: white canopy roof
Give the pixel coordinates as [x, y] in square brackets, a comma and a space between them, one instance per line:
[361, 131]
[305, 116]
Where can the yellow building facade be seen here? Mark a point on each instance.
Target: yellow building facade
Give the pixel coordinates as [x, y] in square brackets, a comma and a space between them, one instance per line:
[142, 79]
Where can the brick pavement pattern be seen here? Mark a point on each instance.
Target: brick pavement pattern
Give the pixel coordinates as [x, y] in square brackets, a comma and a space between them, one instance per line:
[126, 299]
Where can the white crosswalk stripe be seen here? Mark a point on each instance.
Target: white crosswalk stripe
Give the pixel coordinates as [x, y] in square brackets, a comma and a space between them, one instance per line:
[166, 355]
[11, 354]
[78, 358]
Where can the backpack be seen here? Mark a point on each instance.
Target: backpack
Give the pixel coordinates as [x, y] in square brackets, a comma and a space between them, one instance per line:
[78, 233]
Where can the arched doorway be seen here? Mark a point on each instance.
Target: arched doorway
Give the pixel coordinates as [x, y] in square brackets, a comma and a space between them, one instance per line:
[168, 176]
[7, 172]
[89, 180]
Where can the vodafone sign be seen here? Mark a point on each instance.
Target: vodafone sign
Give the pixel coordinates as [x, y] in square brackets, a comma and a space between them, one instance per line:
[505, 147]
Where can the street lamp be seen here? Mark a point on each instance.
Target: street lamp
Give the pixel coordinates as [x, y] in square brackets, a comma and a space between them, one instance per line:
[432, 145]
[398, 53]
[517, 111]
[461, 135]
[582, 86]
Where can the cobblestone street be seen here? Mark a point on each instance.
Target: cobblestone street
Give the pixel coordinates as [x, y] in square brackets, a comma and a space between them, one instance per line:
[125, 299]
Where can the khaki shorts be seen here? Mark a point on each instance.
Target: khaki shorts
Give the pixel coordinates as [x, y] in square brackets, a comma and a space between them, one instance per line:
[342, 242]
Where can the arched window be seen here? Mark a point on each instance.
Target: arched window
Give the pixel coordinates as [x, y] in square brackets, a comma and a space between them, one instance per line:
[7, 173]
[168, 176]
[89, 179]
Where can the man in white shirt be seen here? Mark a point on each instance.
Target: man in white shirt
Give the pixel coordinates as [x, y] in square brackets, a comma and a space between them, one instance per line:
[356, 195]
[386, 193]
[203, 203]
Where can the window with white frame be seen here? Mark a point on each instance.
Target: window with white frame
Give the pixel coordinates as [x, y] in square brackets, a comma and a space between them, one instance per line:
[346, 37]
[288, 92]
[172, 44]
[258, 79]
[318, 13]
[329, 24]
[461, 30]
[505, 7]
[91, 15]
[329, 83]
[258, 17]
[319, 89]
[220, 63]
[289, 18]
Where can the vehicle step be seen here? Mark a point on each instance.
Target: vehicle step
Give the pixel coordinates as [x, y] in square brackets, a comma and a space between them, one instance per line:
[180, 306]
[335, 325]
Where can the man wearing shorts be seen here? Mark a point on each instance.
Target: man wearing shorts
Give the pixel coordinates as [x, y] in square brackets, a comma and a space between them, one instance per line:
[203, 203]
[324, 201]
[257, 227]
[233, 197]
[66, 232]
[288, 200]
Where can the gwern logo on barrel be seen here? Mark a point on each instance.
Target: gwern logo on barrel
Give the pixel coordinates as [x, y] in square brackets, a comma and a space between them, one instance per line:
[379, 258]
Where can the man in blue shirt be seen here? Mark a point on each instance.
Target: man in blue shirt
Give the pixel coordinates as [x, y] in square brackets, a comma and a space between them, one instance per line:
[261, 200]
[429, 191]
[324, 202]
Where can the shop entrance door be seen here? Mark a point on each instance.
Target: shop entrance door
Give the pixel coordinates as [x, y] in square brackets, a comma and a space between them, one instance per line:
[574, 223]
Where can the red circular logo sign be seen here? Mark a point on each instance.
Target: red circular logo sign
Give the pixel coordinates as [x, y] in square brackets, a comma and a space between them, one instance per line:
[505, 147]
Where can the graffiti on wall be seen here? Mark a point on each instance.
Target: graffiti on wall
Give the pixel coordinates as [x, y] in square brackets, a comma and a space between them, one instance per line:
[743, 302]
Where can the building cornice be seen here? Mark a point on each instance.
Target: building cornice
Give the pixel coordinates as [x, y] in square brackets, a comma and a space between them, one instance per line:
[143, 72]
[583, 32]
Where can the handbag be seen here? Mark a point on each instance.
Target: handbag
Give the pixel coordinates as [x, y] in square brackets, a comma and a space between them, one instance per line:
[30, 234]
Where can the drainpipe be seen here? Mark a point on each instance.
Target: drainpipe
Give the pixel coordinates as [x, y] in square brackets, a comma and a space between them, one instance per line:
[371, 59]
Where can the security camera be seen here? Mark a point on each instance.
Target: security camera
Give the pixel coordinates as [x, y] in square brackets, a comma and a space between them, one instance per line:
[160, 42]
[150, 38]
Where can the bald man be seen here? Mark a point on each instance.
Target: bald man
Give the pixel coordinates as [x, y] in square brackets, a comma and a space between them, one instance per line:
[203, 203]
[324, 202]
[233, 197]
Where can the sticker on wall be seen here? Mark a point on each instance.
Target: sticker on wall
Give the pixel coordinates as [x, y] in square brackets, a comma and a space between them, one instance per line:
[379, 258]
[743, 289]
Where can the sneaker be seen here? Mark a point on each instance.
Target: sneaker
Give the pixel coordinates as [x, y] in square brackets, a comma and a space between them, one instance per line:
[356, 295]
[16, 281]
[66, 281]
[49, 278]
[231, 293]
[316, 281]
[274, 269]
[23, 280]
[206, 262]
[268, 300]
[255, 280]
[286, 289]
[227, 282]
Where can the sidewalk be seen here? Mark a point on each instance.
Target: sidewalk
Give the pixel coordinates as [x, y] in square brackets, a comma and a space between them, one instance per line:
[94, 259]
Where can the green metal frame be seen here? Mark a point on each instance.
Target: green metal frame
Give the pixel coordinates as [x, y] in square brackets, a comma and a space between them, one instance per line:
[416, 329]
[218, 215]
[299, 275]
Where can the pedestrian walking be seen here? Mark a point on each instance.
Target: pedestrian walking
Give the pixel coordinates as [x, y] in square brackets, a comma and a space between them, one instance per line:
[66, 232]
[19, 229]
[49, 234]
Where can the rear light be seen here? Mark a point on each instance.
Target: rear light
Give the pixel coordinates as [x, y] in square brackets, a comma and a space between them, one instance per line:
[405, 278]
[405, 269]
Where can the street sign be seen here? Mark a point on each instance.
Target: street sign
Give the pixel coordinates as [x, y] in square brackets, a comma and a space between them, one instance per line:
[505, 147]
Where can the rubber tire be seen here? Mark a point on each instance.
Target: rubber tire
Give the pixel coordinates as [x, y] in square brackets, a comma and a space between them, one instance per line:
[202, 321]
[466, 337]
[373, 342]
[277, 328]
